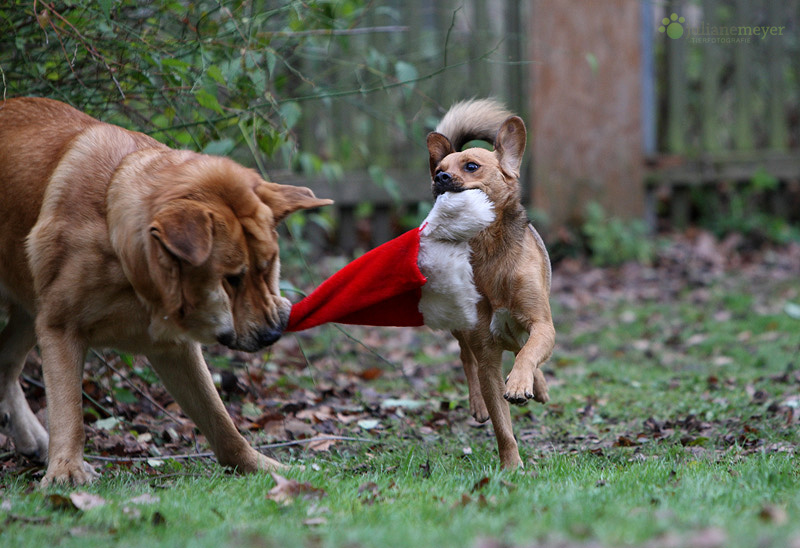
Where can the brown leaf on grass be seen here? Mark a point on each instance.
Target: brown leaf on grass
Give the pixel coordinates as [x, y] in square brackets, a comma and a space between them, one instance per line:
[480, 484]
[772, 513]
[369, 492]
[60, 502]
[286, 490]
[86, 501]
[624, 441]
[320, 445]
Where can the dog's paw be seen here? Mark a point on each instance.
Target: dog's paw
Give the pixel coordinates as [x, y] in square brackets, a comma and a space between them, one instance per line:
[477, 408]
[540, 387]
[519, 387]
[68, 473]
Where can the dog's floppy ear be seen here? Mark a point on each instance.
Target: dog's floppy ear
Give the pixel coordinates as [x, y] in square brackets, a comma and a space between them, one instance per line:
[286, 199]
[509, 145]
[185, 229]
[181, 230]
[439, 146]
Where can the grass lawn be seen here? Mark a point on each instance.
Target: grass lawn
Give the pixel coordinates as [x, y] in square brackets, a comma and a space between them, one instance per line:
[674, 421]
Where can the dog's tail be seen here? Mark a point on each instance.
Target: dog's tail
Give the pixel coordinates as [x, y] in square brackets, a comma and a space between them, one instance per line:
[472, 119]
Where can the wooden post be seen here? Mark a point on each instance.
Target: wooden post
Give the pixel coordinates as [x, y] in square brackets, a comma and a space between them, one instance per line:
[586, 122]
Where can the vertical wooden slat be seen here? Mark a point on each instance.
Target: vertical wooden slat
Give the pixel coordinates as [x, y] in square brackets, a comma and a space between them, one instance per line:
[479, 44]
[677, 100]
[712, 56]
[778, 130]
[743, 119]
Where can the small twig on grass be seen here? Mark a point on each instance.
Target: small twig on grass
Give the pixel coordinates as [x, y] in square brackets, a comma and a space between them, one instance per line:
[209, 454]
[133, 385]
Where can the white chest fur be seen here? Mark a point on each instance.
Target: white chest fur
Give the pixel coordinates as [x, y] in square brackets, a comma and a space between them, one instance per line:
[449, 297]
[507, 329]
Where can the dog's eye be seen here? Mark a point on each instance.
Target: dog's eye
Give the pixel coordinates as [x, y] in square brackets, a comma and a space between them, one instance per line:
[235, 280]
[470, 167]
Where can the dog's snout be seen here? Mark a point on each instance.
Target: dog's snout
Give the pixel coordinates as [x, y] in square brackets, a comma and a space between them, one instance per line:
[442, 178]
[444, 182]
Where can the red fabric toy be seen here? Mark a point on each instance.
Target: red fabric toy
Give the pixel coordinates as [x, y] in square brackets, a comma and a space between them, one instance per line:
[420, 278]
[382, 287]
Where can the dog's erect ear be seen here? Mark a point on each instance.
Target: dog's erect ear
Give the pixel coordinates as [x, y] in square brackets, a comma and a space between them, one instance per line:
[439, 146]
[185, 229]
[286, 199]
[509, 145]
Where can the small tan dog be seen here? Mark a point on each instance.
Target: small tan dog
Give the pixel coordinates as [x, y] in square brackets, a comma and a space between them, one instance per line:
[109, 238]
[510, 264]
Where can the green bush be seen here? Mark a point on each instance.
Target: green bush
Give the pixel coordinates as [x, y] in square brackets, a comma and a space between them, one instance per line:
[613, 241]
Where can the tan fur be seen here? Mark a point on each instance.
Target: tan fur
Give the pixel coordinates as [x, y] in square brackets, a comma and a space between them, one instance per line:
[510, 264]
[109, 238]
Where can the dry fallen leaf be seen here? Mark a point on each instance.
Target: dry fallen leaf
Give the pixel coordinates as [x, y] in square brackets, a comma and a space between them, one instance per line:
[145, 498]
[286, 490]
[773, 514]
[320, 445]
[86, 501]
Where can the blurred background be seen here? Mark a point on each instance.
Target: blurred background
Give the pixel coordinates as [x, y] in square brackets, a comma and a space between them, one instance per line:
[644, 117]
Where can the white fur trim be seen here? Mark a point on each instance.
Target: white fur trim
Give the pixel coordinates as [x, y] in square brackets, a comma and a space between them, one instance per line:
[449, 297]
[458, 216]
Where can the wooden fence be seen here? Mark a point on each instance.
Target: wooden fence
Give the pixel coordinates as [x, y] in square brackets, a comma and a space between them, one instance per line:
[728, 107]
[376, 122]
[721, 111]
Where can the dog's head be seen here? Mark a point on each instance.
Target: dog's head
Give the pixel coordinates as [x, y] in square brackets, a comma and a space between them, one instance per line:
[496, 172]
[213, 256]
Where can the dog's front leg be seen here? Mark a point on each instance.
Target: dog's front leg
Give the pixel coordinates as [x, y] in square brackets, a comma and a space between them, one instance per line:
[16, 418]
[62, 366]
[526, 380]
[183, 371]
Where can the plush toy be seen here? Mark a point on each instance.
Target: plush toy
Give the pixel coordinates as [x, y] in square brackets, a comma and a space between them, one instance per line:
[423, 277]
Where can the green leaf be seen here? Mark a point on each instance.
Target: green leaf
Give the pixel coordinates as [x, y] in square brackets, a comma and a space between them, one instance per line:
[290, 112]
[221, 147]
[406, 72]
[208, 101]
[216, 74]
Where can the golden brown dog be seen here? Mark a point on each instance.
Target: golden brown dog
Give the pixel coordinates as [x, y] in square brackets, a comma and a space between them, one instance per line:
[109, 238]
[511, 267]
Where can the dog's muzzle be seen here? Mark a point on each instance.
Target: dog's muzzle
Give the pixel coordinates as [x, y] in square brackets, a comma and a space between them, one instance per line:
[444, 182]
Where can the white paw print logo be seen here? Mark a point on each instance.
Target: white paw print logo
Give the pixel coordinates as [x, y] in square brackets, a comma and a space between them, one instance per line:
[673, 26]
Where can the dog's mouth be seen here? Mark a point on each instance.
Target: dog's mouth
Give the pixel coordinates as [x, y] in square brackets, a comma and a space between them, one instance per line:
[252, 341]
[257, 337]
[445, 182]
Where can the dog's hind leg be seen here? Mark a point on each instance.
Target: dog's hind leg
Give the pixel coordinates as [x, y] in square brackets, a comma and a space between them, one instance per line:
[477, 407]
[16, 418]
[185, 374]
[490, 375]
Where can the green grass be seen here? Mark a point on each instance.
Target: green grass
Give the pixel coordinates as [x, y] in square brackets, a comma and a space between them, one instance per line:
[436, 499]
[671, 423]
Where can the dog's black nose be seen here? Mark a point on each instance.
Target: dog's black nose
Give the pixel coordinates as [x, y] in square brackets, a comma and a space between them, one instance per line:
[443, 178]
[227, 338]
[443, 182]
[267, 336]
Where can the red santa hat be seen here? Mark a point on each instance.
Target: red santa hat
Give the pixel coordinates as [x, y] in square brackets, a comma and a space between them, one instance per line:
[423, 277]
